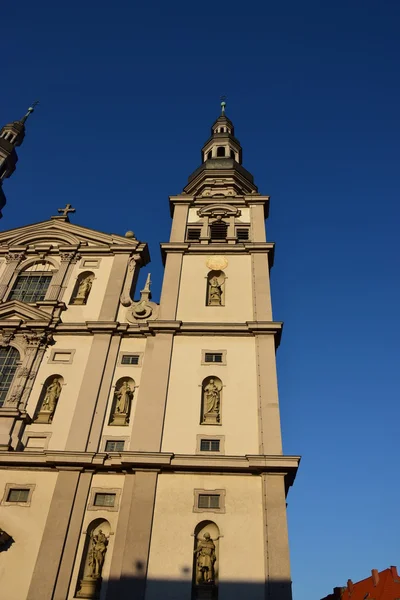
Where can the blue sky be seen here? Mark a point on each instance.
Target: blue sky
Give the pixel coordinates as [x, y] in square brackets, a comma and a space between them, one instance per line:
[128, 93]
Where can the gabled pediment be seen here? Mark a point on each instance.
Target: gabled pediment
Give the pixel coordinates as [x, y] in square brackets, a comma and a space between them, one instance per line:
[60, 233]
[14, 310]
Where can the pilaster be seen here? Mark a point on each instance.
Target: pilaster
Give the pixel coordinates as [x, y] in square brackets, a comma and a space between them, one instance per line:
[12, 259]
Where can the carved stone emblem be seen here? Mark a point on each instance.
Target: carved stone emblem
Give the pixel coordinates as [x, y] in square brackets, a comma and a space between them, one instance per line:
[217, 263]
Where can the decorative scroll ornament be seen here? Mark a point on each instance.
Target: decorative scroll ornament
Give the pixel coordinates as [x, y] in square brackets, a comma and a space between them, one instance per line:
[6, 337]
[217, 263]
[144, 308]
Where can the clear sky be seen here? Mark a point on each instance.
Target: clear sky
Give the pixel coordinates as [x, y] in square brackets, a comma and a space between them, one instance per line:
[128, 92]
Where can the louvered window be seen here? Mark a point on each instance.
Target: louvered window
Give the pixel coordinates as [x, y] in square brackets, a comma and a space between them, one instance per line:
[218, 230]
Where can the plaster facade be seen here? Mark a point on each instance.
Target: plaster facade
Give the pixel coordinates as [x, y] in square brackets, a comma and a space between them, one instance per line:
[131, 430]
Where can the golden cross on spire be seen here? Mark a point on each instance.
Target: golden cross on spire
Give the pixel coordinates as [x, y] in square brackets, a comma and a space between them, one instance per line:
[68, 209]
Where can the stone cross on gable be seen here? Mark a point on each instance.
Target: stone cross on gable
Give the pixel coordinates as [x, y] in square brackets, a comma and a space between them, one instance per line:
[68, 209]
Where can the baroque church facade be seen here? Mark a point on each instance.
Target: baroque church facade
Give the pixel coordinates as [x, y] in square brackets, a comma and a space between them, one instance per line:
[140, 442]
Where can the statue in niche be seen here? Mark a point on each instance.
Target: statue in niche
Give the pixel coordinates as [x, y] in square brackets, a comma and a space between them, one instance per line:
[212, 401]
[51, 396]
[205, 560]
[214, 292]
[82, 293]
[97, 553]
[89, 584]
[122, 404]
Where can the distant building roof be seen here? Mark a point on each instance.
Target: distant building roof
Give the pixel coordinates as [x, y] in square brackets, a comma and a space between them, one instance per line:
[379, 586]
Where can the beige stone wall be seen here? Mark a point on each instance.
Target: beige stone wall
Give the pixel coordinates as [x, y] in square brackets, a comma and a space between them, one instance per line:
[105, 482]
[238, 291]
[129, 346]
[73, 375]
[91, 310]
[26, 525]
[239, 395]
[241, 545]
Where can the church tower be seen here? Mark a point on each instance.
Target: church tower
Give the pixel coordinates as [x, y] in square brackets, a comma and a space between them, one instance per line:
[11, 136]
[140, 443]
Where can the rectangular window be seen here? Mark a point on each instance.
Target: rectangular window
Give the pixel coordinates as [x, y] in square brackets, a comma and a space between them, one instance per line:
[213, 357]
[63, 357]
[18, 495]
[104, 499]
[114, 445]
[193, 234]
[130, 359]
[30, 287]
[209, 445]
[242, 234]
[208, 501]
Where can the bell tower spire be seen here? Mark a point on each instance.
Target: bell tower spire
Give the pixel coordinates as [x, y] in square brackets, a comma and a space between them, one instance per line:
[11, 136]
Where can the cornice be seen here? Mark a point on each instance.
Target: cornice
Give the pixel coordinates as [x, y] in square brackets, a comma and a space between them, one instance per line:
[163, 462]
[213, 248]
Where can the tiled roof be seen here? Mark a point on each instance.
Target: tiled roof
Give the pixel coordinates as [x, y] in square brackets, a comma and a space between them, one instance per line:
[379, 586]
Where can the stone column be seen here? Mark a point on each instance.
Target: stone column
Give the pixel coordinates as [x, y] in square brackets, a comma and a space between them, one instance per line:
[54, 290]
[205, 231]
[276, 543]
[12, 260]
[55, 531]
[132, 540]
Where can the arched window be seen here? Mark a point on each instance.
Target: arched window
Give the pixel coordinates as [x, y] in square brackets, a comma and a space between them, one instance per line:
[94, 553]
[221, 151]
[211, 401]
[206, 559]
[32, 283]
[82, 288]
[209, 155]
[9, 358]
[232, 154]
[218, 230]
[122, 401]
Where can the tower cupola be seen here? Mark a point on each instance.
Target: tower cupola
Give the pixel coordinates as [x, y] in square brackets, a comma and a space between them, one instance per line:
[222, 143]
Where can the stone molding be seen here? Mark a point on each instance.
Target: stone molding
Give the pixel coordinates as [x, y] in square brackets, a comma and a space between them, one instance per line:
[104, 490]
[159, 461]
[221, 493]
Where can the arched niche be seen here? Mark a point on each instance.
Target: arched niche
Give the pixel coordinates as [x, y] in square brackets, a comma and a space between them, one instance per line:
[122, 401]
[215, 288]
[211, 400]
[49, 398]
[93, 558]
[82, 288]
[206, 556]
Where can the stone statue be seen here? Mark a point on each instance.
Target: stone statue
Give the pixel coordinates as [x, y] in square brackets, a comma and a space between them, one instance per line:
[122, 404]
[214, 292]
[205, 560]
[83, 291]
[51, 397]
[97, 553]
[211, 402]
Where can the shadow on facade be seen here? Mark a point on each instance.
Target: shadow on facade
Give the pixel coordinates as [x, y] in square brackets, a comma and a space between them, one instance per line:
[153, 589]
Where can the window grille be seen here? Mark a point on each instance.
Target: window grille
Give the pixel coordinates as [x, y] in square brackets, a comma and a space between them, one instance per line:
[193, 233]
[30, 287]
[130, 359]
[242, 234]
[213, 357]
[104, 499]
[208, 501]
[9, 358]
[18, 495]
[219, 230]
[209, 446]
[115, 445]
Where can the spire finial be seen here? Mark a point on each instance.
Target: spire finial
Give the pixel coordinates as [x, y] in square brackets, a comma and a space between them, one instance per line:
[29, 111]
[223, 104]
